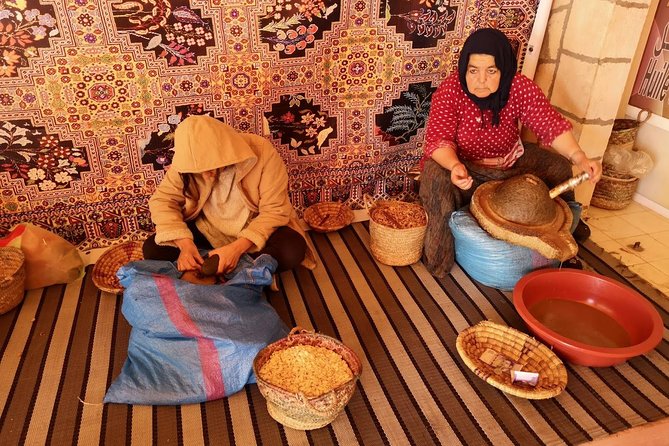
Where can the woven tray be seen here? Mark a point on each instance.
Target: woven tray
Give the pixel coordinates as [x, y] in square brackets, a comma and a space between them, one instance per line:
[104, 271]
[295, 410]
[514, 348]
[328, 216]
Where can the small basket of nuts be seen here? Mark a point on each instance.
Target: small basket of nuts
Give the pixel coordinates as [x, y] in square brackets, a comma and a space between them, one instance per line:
[307, 378]
[328, 216]
[397, 231]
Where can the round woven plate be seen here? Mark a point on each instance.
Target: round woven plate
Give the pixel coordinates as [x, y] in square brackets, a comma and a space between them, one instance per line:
[104, 271]
[492, 350]
[328, 216]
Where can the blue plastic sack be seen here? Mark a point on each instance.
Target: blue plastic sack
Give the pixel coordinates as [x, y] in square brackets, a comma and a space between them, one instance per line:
[494, 262]
[193, 343]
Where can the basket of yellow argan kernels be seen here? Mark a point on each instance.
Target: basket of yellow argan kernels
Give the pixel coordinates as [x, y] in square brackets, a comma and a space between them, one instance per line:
[307, 378]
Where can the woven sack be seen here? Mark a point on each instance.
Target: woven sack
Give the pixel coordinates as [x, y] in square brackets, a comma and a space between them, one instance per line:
[49, 258]
[624, 131]
[513, 347]
[493, 262]
[104, 271]
[12, 278]
[390, 245]
[614, 190]
[328, 216]
[295, 410]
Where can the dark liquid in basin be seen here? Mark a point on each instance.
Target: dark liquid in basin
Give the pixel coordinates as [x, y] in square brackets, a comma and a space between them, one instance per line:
[581, 322]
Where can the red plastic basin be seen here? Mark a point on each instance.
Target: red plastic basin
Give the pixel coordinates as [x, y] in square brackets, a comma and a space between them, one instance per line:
[617, 324]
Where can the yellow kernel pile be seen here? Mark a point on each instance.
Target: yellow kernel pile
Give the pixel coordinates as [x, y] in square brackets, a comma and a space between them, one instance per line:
[307, 369]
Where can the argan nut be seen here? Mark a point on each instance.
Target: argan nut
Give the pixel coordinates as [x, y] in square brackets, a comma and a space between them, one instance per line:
[210, 265]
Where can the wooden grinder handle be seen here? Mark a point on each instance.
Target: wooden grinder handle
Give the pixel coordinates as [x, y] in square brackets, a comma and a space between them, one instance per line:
[569, 184]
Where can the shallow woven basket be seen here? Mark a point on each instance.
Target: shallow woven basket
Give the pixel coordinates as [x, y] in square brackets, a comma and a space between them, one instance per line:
[12, 278]
[295, 410]
[328, 216]
[396, 247]
[624, 131]
[518, 348]
[104, 271]
[614, 190]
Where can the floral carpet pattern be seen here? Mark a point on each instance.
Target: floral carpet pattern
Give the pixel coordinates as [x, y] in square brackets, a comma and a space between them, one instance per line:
[91, 92]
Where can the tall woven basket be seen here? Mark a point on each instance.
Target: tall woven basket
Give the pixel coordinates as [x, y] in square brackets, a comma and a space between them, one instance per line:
[397, 242]
[614, 190]
[12, 278]
[624, 131]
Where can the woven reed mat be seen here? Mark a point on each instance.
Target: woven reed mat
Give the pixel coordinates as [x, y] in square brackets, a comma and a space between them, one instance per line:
[63, 345]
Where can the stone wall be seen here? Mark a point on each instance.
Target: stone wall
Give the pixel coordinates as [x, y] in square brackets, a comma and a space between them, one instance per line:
[584, 64]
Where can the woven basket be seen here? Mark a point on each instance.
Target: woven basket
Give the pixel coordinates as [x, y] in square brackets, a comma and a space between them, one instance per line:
[12, 278]
[516, 348]
[295, 410]
[614, 190]
[392, 246]
[624, 131]
[328, 216]
[104, 271]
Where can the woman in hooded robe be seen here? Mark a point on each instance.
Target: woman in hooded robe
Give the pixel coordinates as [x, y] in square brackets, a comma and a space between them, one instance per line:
[225, 192]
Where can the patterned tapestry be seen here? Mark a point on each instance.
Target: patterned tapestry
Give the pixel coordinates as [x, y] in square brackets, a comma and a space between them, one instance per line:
[92, 90]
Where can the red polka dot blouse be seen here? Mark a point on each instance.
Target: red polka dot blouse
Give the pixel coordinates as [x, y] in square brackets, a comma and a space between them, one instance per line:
[457, 121]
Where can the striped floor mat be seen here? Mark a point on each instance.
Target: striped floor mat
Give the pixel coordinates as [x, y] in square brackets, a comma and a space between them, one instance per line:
[62, 347]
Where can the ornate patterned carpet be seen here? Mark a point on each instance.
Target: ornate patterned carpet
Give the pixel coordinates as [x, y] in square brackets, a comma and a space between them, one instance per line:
[62, 347]
[91, 92]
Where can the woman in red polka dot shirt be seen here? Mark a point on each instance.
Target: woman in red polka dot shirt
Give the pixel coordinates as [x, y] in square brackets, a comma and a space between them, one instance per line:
[473, 136]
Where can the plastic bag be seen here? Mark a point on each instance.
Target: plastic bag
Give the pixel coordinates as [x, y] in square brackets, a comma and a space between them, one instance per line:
[193, 343]
[630, 162]
[50, 259]
[493, 262]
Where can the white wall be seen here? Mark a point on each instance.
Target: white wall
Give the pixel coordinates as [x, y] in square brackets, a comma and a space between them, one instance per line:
[653, 138]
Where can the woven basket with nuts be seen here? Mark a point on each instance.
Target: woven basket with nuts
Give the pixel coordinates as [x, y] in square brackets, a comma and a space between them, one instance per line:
[307, 378]
[397, 231]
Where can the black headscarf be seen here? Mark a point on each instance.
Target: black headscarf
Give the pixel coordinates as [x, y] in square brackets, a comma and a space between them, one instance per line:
[493, 42]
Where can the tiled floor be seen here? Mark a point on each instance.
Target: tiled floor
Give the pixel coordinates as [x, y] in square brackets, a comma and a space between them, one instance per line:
[638, 237]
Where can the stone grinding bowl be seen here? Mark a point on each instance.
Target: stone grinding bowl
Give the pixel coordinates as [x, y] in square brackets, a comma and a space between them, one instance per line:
[521, 211]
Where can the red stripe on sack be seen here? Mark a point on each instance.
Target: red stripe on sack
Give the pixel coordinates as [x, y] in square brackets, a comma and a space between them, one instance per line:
[16, 232]
[211, 368]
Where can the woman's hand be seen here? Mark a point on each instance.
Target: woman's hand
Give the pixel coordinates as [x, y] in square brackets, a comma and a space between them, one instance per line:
[229, 254]
[189, 257]
[446, 157]
[460, 177]
[592, 166]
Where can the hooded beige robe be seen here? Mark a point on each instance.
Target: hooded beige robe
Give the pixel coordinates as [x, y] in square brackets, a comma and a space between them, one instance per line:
[203, 143]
